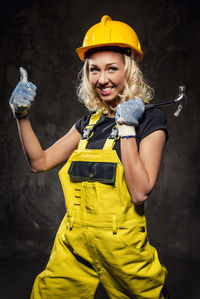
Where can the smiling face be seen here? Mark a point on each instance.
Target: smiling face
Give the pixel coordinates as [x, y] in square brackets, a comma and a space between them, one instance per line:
[106, 75]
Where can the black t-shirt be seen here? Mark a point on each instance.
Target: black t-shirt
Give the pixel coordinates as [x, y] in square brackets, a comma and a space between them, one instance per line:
[152, 120]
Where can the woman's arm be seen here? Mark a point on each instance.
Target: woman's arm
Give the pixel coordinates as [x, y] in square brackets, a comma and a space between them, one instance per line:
[40, 160]
[141, 168]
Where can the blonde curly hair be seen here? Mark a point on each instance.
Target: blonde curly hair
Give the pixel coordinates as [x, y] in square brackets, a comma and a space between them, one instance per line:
[134, 86]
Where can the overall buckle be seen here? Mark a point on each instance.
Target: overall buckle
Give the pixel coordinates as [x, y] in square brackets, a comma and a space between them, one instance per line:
[87, 132]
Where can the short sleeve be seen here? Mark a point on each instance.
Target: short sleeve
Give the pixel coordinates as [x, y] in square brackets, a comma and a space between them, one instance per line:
[154, 119]
[82, 123]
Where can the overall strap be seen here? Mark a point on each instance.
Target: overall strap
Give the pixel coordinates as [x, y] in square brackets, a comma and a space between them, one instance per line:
[111, 140]
[89, 129]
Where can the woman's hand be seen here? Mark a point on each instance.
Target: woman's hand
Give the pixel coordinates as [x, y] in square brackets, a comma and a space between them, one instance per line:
[22, 96]
[128, 115]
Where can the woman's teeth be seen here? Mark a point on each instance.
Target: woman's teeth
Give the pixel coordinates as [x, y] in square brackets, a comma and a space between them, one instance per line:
[106, 89]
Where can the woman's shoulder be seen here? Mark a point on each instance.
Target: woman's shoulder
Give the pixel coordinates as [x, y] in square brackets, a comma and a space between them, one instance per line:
[153, 119]
[154, 113]
[83, 122]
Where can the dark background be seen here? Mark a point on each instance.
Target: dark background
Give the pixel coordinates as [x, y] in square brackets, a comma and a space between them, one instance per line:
[42, 36]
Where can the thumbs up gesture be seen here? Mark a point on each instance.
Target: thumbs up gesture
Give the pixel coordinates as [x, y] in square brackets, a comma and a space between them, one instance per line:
[22, 96]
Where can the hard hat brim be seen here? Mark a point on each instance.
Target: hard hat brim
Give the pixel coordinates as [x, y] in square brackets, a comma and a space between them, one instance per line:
[81, 51]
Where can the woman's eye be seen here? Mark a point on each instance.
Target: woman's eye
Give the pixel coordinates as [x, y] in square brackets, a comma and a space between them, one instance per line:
[113, 68]
[93, 70]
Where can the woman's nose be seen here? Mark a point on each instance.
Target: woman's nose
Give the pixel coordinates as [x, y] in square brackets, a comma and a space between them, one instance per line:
[103, 79]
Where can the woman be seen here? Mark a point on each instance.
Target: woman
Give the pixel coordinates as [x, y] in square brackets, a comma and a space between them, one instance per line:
[113, 158]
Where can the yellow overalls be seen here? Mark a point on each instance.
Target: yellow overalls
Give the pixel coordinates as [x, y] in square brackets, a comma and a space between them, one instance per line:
[103, 236]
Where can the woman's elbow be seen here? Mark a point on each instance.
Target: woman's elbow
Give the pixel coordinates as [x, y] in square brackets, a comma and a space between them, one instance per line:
[34, 170]
[37, 167]
[139, 198]
[140, 195]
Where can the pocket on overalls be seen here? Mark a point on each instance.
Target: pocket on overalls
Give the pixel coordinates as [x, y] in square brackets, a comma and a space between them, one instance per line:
[108, 199]
[134, 237]
[104, 172]
[98, 182]
[89, 197]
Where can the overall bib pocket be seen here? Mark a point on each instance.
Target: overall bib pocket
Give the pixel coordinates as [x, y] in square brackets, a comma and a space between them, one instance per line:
[103, 172]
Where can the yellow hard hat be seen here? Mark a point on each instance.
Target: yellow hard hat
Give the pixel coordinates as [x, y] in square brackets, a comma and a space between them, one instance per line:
[111, 33]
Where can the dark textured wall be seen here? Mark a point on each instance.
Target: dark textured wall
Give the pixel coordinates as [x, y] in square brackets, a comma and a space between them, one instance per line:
[42, 37]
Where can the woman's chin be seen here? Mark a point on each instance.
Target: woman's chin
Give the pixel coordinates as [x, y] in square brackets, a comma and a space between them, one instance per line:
[113, 102]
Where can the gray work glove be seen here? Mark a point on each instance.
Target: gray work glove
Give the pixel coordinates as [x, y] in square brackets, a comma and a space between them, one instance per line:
[128, 115]
[22, 96]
